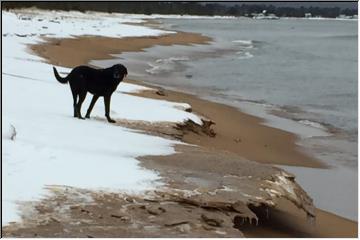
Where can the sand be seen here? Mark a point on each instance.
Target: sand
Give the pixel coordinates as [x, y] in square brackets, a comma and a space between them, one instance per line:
[241, 133]
[172, 212]
[287, 222]
[236, 133]
[57, 51]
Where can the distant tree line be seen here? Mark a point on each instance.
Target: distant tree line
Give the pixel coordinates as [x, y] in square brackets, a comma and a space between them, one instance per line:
[182, 8]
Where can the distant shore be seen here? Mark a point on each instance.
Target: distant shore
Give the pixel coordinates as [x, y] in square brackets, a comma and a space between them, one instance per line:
[236, 132]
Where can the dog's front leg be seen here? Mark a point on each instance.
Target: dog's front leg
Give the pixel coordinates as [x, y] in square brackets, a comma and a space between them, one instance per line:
[93, 101]
[107, 109]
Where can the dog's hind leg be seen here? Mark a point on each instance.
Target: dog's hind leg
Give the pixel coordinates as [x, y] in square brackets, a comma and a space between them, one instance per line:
[93, 101]
[107, 108]
[82, 96]
[74, 105]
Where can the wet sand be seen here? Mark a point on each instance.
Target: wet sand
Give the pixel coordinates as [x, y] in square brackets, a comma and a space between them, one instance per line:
[236, 132]
[241, 133]
[287, 222]
[84, 49]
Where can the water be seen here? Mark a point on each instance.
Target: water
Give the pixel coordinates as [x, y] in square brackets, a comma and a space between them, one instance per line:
[300, 75]
[311, 65]
[300, 69]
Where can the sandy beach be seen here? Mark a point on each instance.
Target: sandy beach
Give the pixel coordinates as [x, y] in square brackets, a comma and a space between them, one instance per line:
[249, 139]
[231, 140]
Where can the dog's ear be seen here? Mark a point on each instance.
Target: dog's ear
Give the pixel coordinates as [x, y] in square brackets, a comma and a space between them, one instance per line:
[116, 74]
[123, 69]
[119, 71]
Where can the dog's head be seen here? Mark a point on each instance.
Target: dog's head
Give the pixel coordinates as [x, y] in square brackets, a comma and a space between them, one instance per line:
[119, 71]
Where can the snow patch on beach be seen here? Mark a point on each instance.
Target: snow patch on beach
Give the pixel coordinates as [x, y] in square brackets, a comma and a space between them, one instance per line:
[61, 24]
[53, 148]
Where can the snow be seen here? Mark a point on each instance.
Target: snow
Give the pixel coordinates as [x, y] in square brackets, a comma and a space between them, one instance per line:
[70, 24]
[53, 148]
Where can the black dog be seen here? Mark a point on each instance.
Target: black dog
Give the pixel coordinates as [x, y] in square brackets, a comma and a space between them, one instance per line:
[99, 82]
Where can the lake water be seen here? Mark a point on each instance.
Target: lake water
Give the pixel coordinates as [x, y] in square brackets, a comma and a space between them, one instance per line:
[299, 74]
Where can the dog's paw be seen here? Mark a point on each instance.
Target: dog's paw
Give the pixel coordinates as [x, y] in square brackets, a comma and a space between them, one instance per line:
[111, 121]
[87, 116]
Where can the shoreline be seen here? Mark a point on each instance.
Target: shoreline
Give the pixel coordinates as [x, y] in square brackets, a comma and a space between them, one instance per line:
[251, 139]
[58, 50]
[252, 148]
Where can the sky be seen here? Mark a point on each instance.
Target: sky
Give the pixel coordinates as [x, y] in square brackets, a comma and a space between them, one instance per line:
[341, 4]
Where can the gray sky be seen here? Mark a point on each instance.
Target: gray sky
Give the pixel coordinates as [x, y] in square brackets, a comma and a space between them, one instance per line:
[340, 4]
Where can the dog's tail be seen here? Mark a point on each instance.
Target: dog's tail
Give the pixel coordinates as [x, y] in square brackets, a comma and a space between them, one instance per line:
[60, 79]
